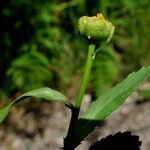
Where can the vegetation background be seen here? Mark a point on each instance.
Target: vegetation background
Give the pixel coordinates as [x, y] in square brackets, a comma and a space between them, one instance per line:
[40, 44]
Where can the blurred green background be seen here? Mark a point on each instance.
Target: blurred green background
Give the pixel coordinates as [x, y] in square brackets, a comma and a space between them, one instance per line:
[40, 44]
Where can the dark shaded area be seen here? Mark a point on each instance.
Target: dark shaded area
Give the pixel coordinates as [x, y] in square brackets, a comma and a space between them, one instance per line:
[76, 136]
[118, 141]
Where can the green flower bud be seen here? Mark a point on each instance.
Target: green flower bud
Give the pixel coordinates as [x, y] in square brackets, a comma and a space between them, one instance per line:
[96, 27]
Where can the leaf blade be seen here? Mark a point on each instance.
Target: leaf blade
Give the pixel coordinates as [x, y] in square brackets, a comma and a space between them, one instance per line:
[107, 103]
[41, 93]
[45, 93]
[118, 93]
[4, 112]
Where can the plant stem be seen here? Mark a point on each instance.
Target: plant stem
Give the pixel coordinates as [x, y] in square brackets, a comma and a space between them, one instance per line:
[85, 78]
[68, 141]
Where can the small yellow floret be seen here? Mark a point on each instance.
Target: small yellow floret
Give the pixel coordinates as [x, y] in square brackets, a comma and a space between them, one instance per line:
[100, 16]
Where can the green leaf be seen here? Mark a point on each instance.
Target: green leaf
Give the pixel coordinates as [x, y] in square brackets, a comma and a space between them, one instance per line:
[107, 103]
[4, 112]
[42, 93]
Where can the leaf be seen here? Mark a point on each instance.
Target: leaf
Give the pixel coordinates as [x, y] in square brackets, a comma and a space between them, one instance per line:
[4, 112]
[107, 103]
[119, 141]
[42, 93]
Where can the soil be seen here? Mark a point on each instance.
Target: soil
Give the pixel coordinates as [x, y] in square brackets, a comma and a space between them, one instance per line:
[42, 126]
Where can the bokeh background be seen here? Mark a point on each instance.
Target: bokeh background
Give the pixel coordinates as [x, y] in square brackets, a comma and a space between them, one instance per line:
[40, 46]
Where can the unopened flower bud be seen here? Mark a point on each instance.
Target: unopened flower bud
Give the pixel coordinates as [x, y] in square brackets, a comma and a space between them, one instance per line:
[96, 27]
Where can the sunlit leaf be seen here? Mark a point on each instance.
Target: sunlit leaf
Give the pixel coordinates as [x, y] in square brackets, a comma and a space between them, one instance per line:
[40, 94]
[107, 103]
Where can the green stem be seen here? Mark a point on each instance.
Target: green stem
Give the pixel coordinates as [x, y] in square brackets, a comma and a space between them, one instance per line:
[85, 78]
[68, 141]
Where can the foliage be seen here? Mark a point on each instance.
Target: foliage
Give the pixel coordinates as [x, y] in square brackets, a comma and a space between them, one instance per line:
[48, 28]
[50, 46]
[107, 103]
[42, 93]
[32, 68]
[39, 32]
